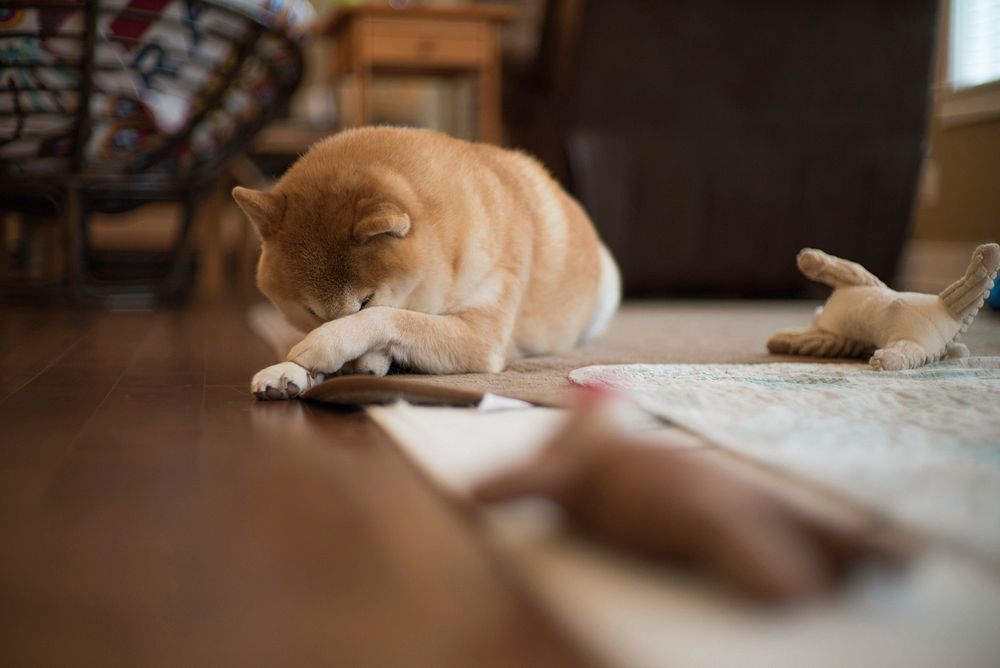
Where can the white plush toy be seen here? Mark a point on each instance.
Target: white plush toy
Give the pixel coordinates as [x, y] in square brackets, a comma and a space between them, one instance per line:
[900, 330]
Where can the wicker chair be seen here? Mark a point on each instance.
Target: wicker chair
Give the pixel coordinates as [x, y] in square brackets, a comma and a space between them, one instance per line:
[108, 104]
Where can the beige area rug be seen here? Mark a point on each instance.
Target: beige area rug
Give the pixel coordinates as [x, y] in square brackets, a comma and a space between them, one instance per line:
[921, 446]
[646, 332]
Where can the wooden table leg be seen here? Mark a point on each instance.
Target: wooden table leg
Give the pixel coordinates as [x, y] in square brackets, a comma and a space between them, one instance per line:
[362, 97]
[208, 234]
[489, 95]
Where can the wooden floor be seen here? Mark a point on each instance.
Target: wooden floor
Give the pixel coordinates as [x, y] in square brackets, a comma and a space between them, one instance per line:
[154, 514]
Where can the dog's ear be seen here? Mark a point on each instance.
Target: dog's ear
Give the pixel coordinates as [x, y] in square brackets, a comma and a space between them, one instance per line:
[385, 218]
[265, 210]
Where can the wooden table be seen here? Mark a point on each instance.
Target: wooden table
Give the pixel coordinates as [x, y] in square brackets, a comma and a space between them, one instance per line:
[372, 39]
[154, 514]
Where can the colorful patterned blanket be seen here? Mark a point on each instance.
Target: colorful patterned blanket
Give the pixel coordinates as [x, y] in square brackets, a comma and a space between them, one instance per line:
[171, 81]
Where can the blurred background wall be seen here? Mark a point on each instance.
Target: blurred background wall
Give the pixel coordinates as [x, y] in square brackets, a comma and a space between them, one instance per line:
[958, 205]
[709, 139]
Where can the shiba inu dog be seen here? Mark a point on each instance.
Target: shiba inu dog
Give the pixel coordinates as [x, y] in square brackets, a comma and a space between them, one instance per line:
[390, 245]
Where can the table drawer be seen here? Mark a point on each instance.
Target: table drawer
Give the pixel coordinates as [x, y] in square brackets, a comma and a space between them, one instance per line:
[425, 43]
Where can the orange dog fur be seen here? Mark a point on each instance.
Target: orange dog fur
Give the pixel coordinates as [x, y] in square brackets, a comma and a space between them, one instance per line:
[442, 256]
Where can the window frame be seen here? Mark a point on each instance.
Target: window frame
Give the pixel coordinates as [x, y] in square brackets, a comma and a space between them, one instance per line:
[960, 106]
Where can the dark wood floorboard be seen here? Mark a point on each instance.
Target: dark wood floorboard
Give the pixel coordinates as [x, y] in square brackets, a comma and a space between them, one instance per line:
[155, 514]
[31, 340]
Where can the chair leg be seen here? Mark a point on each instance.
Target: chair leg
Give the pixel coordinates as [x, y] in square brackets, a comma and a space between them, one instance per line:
[76, 242]
[177, 274]
[5, 269]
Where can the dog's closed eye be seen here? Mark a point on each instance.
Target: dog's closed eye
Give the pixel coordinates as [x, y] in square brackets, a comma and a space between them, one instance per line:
[366, 300]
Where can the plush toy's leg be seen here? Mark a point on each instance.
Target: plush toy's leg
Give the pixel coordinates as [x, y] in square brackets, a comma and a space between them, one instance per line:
[814, 342]
[956, 351]
[899, 355]
[834, 271]
[964, 297]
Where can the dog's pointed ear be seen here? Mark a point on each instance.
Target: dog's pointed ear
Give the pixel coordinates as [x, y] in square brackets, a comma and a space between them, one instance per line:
[265, 210]
[385, 218]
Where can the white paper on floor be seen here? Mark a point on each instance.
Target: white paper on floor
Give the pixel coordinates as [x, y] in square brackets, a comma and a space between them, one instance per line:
[922, 446]
[943, 612]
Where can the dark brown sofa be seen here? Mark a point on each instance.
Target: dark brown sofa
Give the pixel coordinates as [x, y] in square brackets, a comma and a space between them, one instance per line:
[712, 139]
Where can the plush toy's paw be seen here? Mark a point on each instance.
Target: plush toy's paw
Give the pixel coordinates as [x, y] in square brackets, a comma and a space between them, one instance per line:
[781, 343]
[990, 254]
[811, 260]
[886, 359]
[956, 351]
[375, 363]
[900, 355]
[280, 381]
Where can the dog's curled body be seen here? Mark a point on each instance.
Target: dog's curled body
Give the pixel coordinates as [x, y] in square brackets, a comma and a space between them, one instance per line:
[409, 246]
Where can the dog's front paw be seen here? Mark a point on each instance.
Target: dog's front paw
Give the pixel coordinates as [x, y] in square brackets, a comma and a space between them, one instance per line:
[322, 351]
[281, 381]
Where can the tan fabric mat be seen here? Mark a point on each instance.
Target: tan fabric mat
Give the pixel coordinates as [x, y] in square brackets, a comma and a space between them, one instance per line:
[642, 332]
